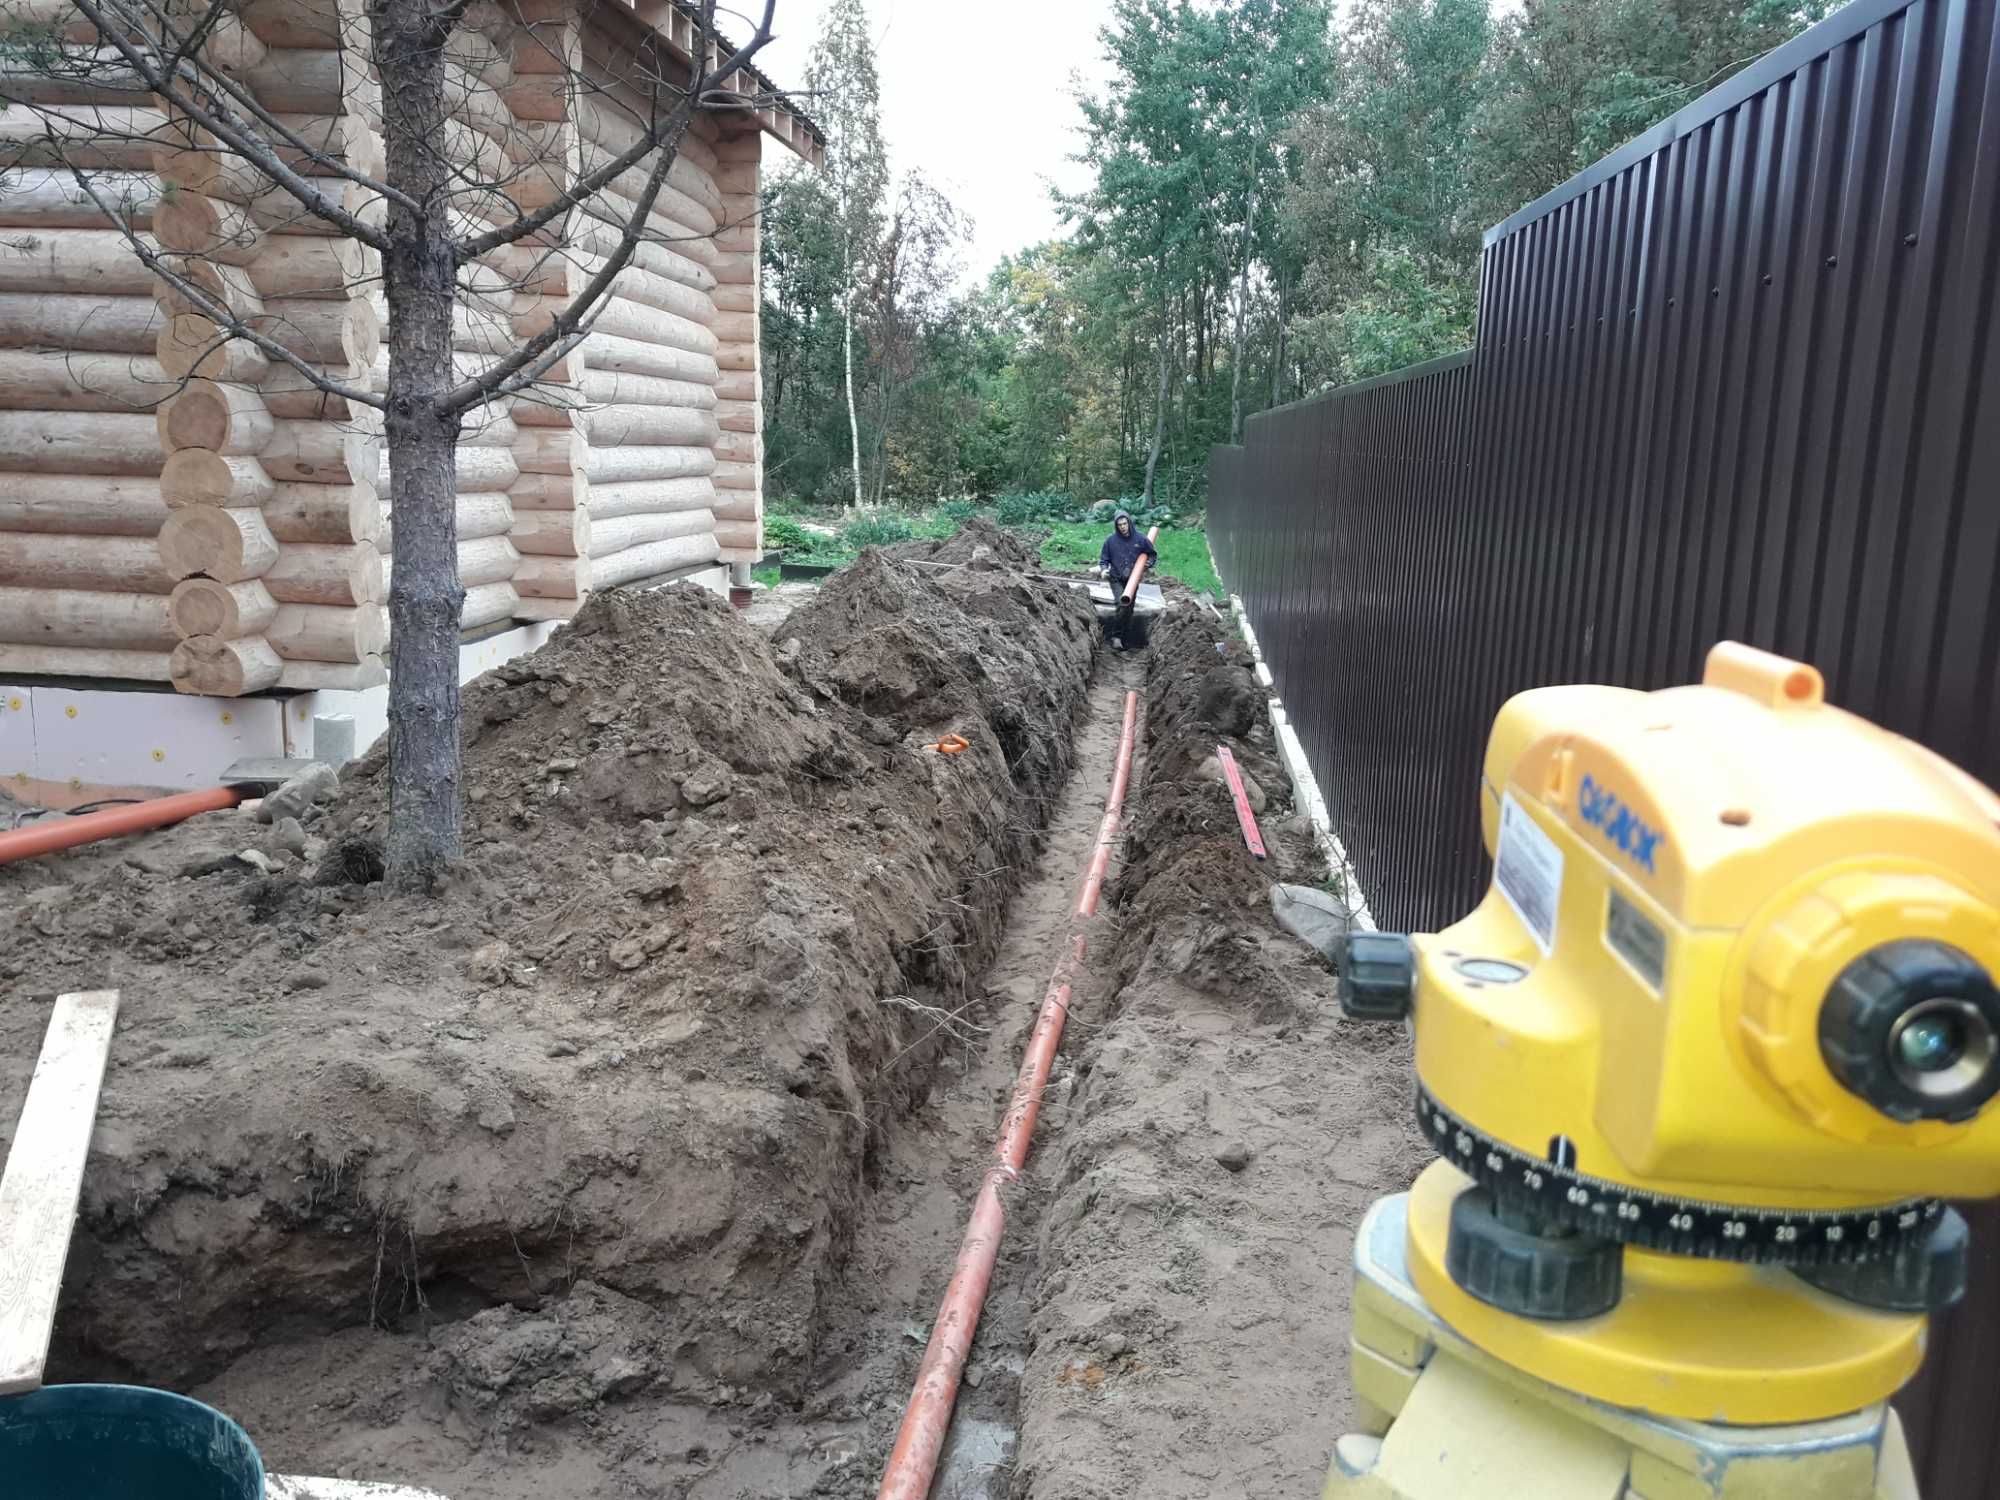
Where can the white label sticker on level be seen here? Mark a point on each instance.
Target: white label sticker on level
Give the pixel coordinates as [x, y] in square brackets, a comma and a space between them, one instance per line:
[1528, 868]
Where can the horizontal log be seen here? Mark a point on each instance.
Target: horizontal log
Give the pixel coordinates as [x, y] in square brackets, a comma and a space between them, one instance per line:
[740, 536]
[737, 179]
[739, 448]
[739, 416]
[736, 328]
[617, 465]
[621, 388]
[306, 267]
[227, 419]
[563, 491]
[226, 544]
[281, 212]
[652, 559]
[213, 172]
[738, 505]
[650, 497]
[118, 137]
[551, 406]
[551, 450]
[623, 426]
[734, 268]
[49, 198]
[553, 577]
[79, 262]
[200, 476]
[595, 230]
[306, 80]
[105, 325]
[210, 667]
[487, 604]
[607, 351]
[329, 632]
[536, 96]
[328, 514]
[306, 574]
[729, 476]
[78, 442]
[736, 357]
[202, 606]
[308, 23]
[739, 385]
[188, 344]
[486, 432]
[102, 662]
[225, 286]
[294, 397]
[106, 564]
[31, 381]
[314, 676]
[620, 534]
[321, 453]
[74, 617]
[331, 141]
[524, 609]
[739, 236]
[83, 505]
[552, 533]
[604, 124]
[194, 224]
[562, 274]
[484, 515]
[488, 559]
[480, 56]
[739, 146]
[736, 298]
[342, 334]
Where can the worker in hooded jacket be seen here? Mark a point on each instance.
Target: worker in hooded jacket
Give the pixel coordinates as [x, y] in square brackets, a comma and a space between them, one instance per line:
[1120, 555]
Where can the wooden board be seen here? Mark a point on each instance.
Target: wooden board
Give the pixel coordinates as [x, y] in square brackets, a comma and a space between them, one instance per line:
[44, 1179]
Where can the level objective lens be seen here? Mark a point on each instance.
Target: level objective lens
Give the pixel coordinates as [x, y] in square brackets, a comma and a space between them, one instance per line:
[1913, 1027]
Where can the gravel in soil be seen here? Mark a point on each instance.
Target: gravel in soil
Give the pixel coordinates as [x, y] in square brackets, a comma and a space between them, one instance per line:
[540, 1185]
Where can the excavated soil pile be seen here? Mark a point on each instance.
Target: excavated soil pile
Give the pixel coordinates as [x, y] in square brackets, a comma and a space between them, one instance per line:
[603, 1106]
[1227, 1131]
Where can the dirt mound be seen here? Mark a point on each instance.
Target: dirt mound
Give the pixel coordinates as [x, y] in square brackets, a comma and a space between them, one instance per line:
[1228, 1128]
[638, 1044]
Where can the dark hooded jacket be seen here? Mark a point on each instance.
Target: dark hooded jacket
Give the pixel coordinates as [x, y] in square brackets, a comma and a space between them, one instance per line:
[1122, 552]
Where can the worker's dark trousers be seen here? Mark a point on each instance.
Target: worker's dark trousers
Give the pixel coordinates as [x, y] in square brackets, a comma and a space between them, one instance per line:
[1114, 628]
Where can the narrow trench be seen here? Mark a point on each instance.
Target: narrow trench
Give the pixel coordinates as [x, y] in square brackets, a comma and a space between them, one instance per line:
[933, 1162]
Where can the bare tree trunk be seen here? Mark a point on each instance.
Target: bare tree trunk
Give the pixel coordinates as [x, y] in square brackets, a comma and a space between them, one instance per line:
[1242, 307]
[847, 317]
[1159, 412]
[425, 596]
[1278, 344]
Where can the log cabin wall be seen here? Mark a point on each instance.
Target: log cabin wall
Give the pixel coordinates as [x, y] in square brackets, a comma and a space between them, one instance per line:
[176, 507]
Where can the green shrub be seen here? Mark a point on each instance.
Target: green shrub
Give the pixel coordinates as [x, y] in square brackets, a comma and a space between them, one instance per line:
[788, 536]
[876, 531]
[958, 512]
[1035, 507]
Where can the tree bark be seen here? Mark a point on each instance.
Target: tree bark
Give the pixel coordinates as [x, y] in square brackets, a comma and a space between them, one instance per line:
[847, 318]
[1159, 411]
[1242, 307]
[425, 596]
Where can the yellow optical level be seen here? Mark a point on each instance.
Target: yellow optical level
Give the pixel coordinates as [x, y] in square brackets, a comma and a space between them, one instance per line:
[1723, 1031]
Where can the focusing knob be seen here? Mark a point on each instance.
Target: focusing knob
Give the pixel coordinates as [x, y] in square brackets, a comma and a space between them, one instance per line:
[1378, 976]
[1913, 1027]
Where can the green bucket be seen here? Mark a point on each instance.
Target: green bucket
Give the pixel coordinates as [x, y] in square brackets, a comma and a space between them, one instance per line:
[122, 1442]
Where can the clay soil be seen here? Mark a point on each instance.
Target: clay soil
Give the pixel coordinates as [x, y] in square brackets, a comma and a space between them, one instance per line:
[632, 1162]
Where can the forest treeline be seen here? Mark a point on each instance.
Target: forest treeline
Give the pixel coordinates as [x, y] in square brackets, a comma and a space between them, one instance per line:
[1285, 195]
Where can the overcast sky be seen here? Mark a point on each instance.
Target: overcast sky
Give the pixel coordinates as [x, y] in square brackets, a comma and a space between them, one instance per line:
[976, 96]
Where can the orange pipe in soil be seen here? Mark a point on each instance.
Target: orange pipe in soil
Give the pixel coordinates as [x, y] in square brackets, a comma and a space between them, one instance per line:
[1139, 568]
[913, 1461]
[53, 833]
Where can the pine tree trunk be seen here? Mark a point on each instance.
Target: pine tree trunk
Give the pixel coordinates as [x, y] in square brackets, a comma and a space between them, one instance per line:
[425, 597]
[1159, 413]
[1242, 306]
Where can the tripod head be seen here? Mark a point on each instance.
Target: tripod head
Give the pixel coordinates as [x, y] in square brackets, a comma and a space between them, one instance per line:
[1700, 1065]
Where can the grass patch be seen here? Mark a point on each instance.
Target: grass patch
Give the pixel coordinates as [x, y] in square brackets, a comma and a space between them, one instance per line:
[766, 574]
[1074, 546]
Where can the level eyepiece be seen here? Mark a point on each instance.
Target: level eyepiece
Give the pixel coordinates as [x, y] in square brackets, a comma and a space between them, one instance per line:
[1913, 1027]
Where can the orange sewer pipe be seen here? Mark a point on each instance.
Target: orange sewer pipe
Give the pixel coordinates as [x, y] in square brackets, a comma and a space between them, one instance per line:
[913, 1461]
[53, 833]
[1139, 568]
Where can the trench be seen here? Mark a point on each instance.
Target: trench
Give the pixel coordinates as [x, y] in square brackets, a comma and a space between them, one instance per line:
[371, 1404]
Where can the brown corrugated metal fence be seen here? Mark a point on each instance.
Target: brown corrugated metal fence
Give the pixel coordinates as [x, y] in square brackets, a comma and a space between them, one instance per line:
[1739, 380]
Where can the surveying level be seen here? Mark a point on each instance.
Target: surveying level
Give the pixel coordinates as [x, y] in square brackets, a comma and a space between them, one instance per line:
[1699, 1067]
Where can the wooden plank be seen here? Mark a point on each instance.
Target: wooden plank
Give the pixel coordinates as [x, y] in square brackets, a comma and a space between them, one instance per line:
[44, 1179]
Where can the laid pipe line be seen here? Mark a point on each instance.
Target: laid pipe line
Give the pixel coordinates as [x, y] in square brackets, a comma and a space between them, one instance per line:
[1139, 568]
[1245, 818]
[927, 1420]
[49, 835]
